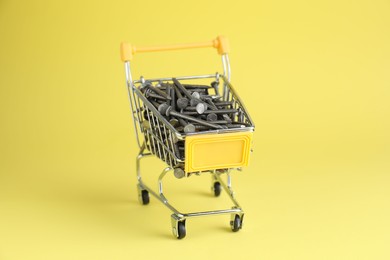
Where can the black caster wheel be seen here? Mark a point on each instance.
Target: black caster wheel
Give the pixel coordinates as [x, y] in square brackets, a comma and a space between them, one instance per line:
[236, 223]
[178, 226]
[217, 189]
[181, 230]
[145, 197]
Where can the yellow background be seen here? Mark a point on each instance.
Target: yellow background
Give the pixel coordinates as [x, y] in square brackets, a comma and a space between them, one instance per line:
[314, 75]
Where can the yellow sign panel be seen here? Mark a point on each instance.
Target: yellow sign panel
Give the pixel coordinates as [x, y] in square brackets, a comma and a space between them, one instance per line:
[217, 151]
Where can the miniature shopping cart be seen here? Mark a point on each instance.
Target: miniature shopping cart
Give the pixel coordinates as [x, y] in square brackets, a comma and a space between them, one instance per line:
[215, 151]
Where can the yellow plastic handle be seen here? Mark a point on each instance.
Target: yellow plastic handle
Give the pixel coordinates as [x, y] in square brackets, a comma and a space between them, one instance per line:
[220, 43]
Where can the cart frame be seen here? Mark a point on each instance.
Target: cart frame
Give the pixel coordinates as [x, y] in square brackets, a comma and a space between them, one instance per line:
[152, 144]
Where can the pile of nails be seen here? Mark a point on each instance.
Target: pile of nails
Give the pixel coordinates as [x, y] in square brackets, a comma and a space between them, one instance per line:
[193, 108]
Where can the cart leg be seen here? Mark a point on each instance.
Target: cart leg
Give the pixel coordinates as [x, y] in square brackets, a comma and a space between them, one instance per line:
[141, 155]
[143, 194]
[161, 196]
[178, 220]
[236, 219]
[226, 186]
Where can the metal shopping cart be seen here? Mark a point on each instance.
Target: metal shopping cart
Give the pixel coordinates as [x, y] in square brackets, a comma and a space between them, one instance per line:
[216, 151]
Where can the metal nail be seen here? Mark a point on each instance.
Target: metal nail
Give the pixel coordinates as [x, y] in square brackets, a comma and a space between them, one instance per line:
[199, 108]
[154, 103]
[201, 127]
[181, 101]
[172, 93]
[195, 95]
[235, 126]
[179, 173]
[157, 91]
[221, 111]
[174, 122]
[215, 85]
[211, 104]
[227, 118]
[194, 102]
[170, 112]
[181, 88]
[220, 122]
[149, 94]
[192, 86]
[212, 117]
[188, 128]
[223, 103]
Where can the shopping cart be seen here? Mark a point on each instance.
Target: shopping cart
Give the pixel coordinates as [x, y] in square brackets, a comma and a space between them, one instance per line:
[216, 151]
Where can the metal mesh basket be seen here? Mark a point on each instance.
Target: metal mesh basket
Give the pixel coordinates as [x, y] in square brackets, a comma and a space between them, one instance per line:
[161, 137]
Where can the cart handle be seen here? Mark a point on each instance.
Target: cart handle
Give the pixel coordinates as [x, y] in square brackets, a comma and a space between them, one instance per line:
[220, 43]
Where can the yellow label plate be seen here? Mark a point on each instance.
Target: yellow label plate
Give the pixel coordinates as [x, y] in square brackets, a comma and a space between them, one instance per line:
[217, 151]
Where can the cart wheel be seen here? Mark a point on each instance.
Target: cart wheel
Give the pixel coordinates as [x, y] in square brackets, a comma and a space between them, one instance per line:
[181, 229]
[145, 197]
[217, 189]
[236, 224]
